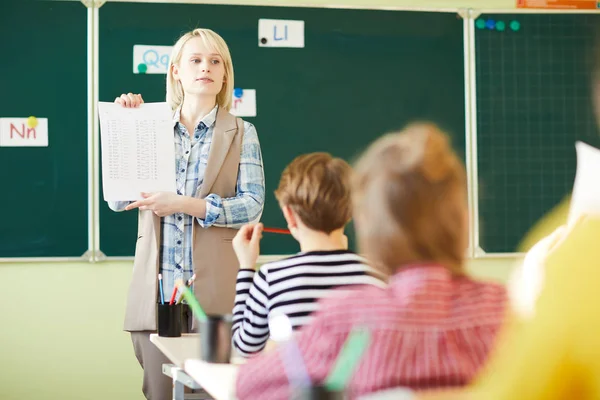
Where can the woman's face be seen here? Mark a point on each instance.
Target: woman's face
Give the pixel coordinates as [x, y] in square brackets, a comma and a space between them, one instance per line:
[200, 70]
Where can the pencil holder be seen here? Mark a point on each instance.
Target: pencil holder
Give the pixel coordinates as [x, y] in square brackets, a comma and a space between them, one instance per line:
[169, 319]
[215, 339]
[317, 392]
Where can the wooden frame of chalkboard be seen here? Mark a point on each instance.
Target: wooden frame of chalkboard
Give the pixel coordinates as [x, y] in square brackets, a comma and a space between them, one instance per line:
[48, 196]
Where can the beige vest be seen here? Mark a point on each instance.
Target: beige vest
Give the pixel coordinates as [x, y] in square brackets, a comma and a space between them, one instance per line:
[215, 263]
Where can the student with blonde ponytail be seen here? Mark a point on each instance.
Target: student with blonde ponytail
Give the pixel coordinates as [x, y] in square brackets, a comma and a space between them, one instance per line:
[433, 326]
[220, 187]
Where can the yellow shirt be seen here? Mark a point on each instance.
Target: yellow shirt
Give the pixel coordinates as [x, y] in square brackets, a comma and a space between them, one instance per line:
[556, 353]
[552, 220]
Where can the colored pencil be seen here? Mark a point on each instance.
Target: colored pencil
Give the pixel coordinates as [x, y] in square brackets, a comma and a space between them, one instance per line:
[352, 351]
[188, 284]
[173, 296]
[160, 287]
[192, 301]
[277, 230]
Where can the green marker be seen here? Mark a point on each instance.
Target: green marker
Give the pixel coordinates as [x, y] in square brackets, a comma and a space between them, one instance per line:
[357, 342]
[192, 301]
[142, 68]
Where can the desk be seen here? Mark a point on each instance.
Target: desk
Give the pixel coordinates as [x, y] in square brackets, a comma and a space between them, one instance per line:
[390, 394]
[178, 349]
[217, 379]
[187, 347]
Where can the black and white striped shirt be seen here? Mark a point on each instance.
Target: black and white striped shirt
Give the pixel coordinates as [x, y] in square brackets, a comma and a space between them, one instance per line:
[292, 286]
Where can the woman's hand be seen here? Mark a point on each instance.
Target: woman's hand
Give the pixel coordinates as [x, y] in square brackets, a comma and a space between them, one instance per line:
[130, 100]
[246, 245]
[161, 203]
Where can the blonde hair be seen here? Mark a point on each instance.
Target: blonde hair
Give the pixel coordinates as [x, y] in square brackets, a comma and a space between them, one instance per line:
[215, 43]
[316, 187]
[410, 206]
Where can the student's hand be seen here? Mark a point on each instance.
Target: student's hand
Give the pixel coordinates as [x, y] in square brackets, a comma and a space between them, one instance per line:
[161, 203]
[130, 100]
[246, 245]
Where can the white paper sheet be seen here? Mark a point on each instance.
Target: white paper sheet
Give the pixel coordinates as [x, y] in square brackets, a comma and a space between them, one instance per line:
[138, 152]
[280, 33]
[24, 132]
[586, 189]
[244, 105]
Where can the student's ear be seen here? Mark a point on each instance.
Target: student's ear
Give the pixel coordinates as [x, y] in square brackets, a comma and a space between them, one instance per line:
[290, 217]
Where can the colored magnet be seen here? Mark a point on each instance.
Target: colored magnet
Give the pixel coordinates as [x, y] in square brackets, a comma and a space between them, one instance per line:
[142, 68]
[515, 25]
[500, 26]
[490, 24]
[263, 40]
[32, 122]
[480, 23]
[238, 93]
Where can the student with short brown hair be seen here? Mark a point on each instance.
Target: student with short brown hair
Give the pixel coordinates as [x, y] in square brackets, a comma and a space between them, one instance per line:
[314, 195]
[316, 187]
[432, 326]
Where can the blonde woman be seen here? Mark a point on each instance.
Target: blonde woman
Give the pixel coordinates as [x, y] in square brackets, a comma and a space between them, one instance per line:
[220, 185]
[432, 326]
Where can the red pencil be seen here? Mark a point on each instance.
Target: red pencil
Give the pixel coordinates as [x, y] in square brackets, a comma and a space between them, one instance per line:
[277, 230]
[173, 296]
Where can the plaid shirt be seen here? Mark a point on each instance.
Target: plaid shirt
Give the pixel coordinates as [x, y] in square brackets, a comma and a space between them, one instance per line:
[191, 156]
[428, 330]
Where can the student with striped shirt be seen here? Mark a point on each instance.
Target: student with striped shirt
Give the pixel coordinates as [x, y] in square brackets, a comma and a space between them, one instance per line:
[432, 326]
[314, 196]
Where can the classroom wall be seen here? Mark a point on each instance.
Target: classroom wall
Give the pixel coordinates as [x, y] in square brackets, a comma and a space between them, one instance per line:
[60, 324]
[61, 336]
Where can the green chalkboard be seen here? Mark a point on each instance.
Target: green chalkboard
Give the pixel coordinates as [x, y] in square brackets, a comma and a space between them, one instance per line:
[533, 103]
[43, 74]
[361, 73]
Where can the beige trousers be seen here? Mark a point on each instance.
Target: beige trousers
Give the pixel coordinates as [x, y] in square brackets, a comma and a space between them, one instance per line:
[155, 384]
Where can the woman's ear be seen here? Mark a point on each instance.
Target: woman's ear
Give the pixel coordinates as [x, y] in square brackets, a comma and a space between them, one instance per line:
[175, 72]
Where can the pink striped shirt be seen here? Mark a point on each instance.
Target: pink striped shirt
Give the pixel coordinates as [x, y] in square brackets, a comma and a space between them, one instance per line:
[428, 330]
